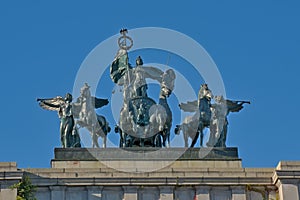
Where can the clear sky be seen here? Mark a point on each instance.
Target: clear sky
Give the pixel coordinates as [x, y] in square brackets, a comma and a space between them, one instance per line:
[255, 45]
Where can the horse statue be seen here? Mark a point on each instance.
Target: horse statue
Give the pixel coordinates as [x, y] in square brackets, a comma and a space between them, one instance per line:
[167, 86]
[189, 128]
[99, 128]
[194, 126]
[86, 117]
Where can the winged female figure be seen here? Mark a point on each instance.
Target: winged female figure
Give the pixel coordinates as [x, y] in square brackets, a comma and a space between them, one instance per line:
[68, 132]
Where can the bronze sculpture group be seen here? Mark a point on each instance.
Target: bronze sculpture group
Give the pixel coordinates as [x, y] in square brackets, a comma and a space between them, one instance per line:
[143, 122]
[207, 115]
[79, 114]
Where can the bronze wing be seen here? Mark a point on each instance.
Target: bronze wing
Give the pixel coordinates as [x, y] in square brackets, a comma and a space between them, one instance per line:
[99, 102]
[233, 106]
[153, 73]
[190, 106]
[51, 103]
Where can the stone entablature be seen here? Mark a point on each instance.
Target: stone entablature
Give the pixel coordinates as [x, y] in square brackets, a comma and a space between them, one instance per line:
[183, 179]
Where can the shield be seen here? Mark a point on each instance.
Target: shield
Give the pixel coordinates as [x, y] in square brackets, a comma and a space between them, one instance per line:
[139, 107]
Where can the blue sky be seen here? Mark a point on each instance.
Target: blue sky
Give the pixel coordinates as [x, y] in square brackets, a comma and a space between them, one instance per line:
[255, 45]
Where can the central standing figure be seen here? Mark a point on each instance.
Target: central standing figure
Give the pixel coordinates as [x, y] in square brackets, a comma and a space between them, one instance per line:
[140, 85]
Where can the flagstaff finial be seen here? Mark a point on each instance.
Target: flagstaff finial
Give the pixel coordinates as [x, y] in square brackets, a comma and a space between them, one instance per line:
[123, 31]
[125, 42]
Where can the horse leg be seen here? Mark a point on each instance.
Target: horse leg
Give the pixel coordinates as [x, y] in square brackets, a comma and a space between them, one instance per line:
[142, 142]
[185, 137]
[104, 141]
[157, 141]
[122, 143]
[163, 134]
[122, 139]
[195, 139]
[128, 140]
[166, 141]
[95, 140]
[167, 137]
[201, 138]
[105, 132]
[163, 142]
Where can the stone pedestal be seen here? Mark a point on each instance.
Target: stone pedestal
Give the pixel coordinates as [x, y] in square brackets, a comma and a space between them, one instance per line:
[146, 159]
[147, 153]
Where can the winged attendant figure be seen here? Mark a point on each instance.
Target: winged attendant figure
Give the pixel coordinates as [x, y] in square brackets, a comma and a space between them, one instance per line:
[219, 123]
[68, 133]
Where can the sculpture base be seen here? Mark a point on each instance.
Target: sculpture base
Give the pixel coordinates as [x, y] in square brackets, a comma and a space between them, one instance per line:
[147, 153]
[146, 159]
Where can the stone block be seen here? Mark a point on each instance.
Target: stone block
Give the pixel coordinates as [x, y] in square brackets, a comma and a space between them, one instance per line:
[202, 192]
[43, 193]
[8, 194]
[148, 193]
[288, 165]
[76, 193]
[166, 192]
[94, 192]
[238, 192]
[8, 166]
[184, 193]
[221, 193]
[251, 195]
[109, 193]
[130, 192]
[288, 191]
[57, 192]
